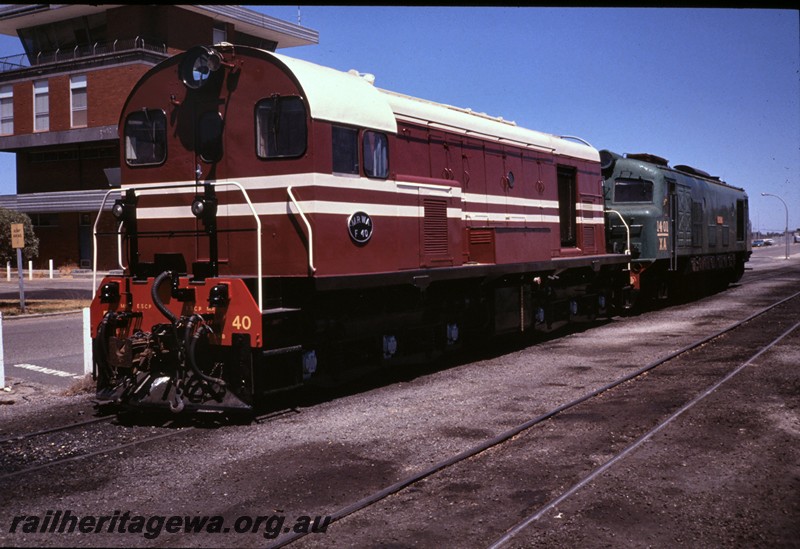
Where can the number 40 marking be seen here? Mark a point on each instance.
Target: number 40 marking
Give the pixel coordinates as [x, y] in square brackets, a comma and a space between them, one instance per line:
[242, 322]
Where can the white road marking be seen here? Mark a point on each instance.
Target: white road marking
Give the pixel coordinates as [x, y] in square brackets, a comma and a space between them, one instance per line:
[51, 371]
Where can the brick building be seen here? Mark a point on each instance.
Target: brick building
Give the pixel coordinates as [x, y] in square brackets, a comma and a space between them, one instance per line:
[60, 101]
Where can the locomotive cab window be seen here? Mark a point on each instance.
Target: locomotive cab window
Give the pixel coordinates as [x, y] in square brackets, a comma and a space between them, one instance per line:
[146, 137]
[345, 150]
[376, 155]
[633, 190]
[281, 129]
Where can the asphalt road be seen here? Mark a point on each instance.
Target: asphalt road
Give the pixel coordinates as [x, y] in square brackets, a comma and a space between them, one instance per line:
[46, 349]
[45, 288]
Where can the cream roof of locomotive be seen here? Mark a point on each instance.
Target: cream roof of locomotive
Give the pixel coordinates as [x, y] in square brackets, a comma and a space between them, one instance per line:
[349, 98]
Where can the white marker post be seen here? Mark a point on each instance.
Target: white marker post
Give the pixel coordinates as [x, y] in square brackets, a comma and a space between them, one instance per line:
[2, 356]
[87, 342]
[18, 242]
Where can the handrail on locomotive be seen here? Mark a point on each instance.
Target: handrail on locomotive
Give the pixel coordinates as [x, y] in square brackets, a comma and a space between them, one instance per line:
[627, 234]
[118, 232]
[308, 226]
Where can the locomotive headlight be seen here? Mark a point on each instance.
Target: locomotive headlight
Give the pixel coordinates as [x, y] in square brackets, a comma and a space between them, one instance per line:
[204, 207]
[197, 66]
[218, 296]
[124, 209]
[118, 210]
[198, 206]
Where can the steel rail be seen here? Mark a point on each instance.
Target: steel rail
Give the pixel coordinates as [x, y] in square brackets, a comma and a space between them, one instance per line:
[257, 419]
[527, 521]
[105, 450]
[514, 431]
[32, 434]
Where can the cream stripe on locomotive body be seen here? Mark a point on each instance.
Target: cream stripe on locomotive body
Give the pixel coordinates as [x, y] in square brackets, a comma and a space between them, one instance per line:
[298, 181]
[275, 211]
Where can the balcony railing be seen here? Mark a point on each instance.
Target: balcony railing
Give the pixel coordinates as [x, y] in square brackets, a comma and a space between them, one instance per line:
[23, 61]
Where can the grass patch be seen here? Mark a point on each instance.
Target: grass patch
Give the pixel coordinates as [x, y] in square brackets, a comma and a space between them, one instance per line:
[40, 306]
[85, 385]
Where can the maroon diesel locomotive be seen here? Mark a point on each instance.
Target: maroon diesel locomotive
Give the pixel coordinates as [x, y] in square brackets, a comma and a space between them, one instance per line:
[280, 220]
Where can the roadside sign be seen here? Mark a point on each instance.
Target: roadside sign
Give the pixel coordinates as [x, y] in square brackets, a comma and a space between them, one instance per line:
[18, 242]
[17, 235]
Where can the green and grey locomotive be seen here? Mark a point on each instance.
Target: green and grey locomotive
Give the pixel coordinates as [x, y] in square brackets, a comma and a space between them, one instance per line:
[684, 228]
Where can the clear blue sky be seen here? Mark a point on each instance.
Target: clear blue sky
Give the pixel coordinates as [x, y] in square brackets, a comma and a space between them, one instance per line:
[717, 89]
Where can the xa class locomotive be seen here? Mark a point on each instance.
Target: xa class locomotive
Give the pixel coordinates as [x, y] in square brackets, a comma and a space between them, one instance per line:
[684, 228]
[279, 220]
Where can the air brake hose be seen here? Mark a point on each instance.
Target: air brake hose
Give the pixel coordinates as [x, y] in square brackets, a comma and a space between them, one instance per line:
[190, 349]
[157, 301]
[100, 348]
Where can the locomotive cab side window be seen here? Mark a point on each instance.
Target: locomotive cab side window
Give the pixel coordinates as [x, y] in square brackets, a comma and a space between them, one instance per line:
[633, 190]
[281, 130]
[146, 137]
[376, 155]
[345, 150]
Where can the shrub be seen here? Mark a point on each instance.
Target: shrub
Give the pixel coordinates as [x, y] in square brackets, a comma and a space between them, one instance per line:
[7, 253]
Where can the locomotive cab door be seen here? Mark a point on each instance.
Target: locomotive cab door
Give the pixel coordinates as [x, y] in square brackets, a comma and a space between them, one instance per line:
[567, 198]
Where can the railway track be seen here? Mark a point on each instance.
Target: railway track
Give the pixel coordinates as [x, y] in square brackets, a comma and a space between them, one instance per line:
[539, 513]
[30, 452]
[408, 490]
[26, 453]
[517, 433]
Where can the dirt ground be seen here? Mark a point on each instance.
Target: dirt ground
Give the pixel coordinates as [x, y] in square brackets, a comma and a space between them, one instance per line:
[726, 473]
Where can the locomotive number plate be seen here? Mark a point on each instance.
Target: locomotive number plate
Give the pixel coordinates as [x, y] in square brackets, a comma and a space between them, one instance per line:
[359, 225]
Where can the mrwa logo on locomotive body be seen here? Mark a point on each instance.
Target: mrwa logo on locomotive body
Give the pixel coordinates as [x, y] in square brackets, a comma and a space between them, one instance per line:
[359, 225]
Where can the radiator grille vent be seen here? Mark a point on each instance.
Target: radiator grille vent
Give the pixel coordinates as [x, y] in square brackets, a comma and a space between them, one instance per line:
[435, 226]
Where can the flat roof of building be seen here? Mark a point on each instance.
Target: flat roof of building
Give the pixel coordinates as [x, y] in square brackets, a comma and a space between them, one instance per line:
[18, 16]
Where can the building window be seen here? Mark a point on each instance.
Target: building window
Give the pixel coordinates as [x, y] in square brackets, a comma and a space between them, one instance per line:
[281, 127]
[376, 159]
[345, 150]
[146, 137]
[77, 88]
[44, 219]
[220, 35]
[6, 110]
[41, 106]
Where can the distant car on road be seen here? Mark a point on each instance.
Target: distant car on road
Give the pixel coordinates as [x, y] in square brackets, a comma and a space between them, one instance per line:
[796, 238]
[768, 242]
[758, 243]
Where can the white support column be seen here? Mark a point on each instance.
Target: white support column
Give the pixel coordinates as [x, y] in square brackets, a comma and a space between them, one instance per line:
[2, 356]
[87, 341]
